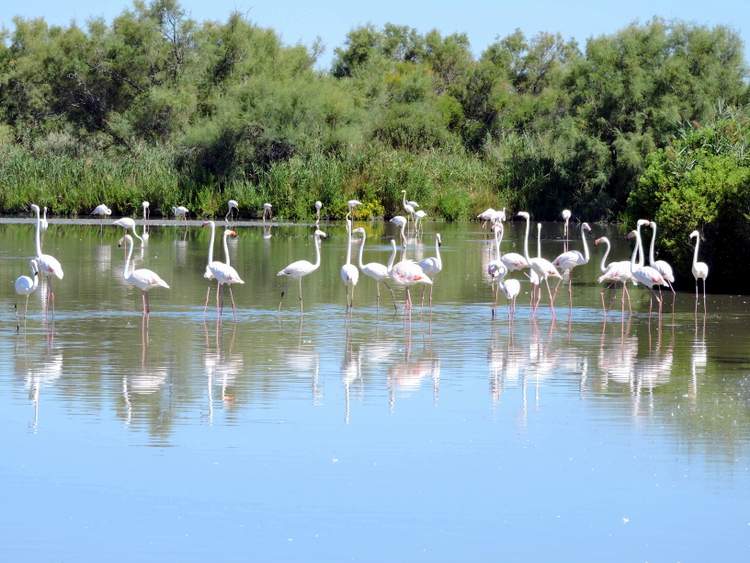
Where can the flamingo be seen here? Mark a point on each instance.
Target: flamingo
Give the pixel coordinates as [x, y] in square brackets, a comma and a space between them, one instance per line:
[614, 272]
[514, 261]
[536, 290]
[408, 207]
[572, 259]
[180, 212]
[301, 268]
[143, 279]
[485, 216]
[233, 205]
[102, 211]
[419, 215]
[26, 285]
[129, 225]
[566, 214]
[700, 269]
[645, 275]
[661, 266]
[510, 288]
[267, 212]
[222, 272]
[349, 272]
[543, 268]
[318, 207]
[44, 224]
[407, 273]
[433, 265]
[48, 265]
[376, 271]
[496, 269]
[146, 212]
[400, 221]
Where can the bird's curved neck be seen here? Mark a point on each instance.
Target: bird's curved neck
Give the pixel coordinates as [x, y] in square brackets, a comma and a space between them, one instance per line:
[129, 243]
[526, 239]
[226, 248]
[348, 242]
[604, 258]
[392, 259]
[635, 252]
[317, 253]
[45, 213]
[651, 250]
[695, 252]
[211, 244]
[440, 258]
[362, 250]
[498, 239]
[404, 193]
[585, 245]
[403, 241]
[136, 235]
[641, 255]
[37, 235]
[538, 240]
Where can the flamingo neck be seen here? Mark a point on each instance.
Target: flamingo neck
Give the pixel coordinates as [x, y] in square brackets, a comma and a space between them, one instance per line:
[404, 193]
[129, 243]
[651, 250]
[348, 242]
[641, 255]
[317, 253]
[211, 244]
[604, 258]
[403, 241]
[392, 259]
[440, 258]
[226, 248]
[37, 235]
[538, 240]
[695, 252]
[635, 253]
[362, 250]
[585, 245]
[526, 239]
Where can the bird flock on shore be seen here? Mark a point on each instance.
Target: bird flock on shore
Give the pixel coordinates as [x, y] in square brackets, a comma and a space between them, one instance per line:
[404, 274]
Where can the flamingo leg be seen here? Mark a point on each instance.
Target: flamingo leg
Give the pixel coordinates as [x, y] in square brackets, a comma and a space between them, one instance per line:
[282, 299]
[393, 296]
[218, 300]
[604, 307]
[570, 292]
[704, 296]
[205, 305]
[431, 297]
[301, 302]
[551, 299]
[234, 306]
[377, 286]
[143, 299]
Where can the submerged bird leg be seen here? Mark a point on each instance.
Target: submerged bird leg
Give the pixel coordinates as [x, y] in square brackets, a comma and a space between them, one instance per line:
[208, 294]
[377, 286]
[604, 307]
[282, 299]
[218, 300]
[570, 291]
[551, 299]
[430, 297]
[234, 306]
[301, 302]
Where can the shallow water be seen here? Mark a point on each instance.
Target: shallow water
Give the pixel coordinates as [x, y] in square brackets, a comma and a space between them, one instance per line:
[370, 437]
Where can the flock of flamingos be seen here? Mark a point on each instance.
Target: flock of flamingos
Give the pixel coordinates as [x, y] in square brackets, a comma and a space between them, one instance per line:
[404, 273]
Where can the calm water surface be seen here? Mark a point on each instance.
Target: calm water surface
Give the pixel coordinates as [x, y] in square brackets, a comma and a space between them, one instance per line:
[450, 437]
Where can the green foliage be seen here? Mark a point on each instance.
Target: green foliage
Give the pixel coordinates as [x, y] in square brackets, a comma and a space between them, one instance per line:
[702, 181]
[226, 109]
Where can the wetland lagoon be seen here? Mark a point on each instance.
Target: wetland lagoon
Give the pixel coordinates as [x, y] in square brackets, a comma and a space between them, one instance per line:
[448, 436]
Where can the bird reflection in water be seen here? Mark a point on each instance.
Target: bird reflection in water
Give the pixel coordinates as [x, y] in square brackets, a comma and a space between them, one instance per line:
[305, 362]
[698, 359]
[41, 370]
[222, 368]
[146, 380]
[351, 369]
[267, 232]
[655, 369]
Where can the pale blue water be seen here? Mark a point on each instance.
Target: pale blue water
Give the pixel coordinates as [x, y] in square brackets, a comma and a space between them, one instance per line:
[451, 437]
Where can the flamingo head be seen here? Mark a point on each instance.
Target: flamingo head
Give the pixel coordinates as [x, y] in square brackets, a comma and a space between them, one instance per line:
[586, 227]
[127, 239]
[631, 235]
[566, 214]
[34, 207]
[267, 206]
[360, 230]
[319, 234]
[206, 223]
[232, 234]
[599, 241]
[145, 205]
[439, 239]
[695, 234]
[34, 266]
[642, 222]
[318, 205]
[524, 214]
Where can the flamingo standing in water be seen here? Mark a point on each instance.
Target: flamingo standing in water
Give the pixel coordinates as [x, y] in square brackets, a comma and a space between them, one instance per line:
[232, 205]
[700, 269]
[143, 279]
[613, 273]
[433, 265]
[44, 224]
[661, 266]
[48, 265]
[496, 269]
[419, 215]
[572, 259]
[543, 267]
[374, 270]
[645, 275]
[180, 212]
[146, 212]
[349, 272]
[510, 288]
[406, 273]
[26, 285]
[102, 211]
[222, 272]
[301, 268]
[409, 206]
[566, 214]
[486, 216]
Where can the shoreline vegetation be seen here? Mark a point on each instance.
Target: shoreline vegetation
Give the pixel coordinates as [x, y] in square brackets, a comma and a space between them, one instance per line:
[650, 121]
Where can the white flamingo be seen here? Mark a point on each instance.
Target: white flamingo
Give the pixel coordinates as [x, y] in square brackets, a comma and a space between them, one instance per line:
[143, 279]
[496, 269]
[572, 259]
[614, 273]
[406, 273]
[44, 224]
[102, 211]
[514, 261]
[129, 225]
[400, 221]
[645, 275]
[180, 212]
[301, 268]
[374, 270]
[349, 272]
[433, 265]
[408, 207]
[419, 215]
[48, 265]
[510, 288]
[267, 212]
[543, 267]
[26, 285]
[699, 269]
[566, 214]
[233, 205]
[222, 272]
[485, 216]
[661, 266]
